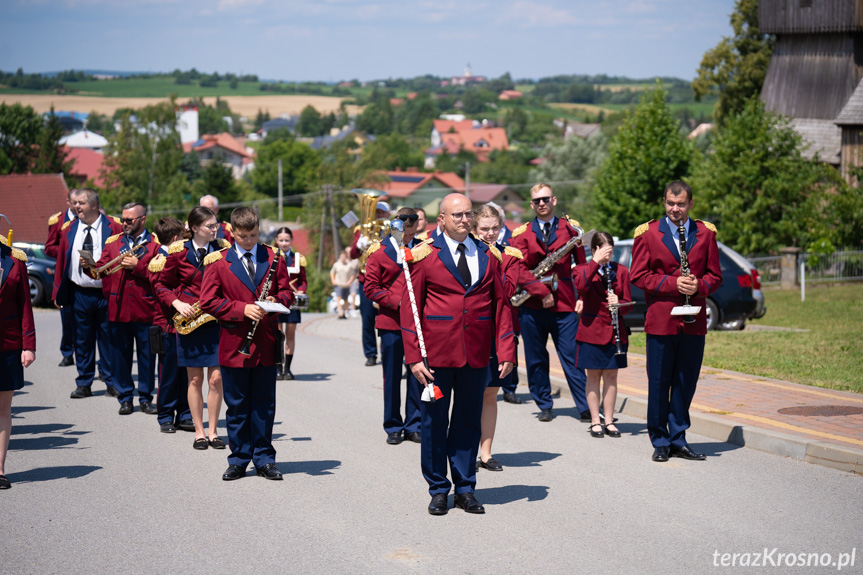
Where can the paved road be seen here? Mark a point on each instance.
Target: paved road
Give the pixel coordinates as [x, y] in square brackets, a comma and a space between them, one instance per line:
[95, 492]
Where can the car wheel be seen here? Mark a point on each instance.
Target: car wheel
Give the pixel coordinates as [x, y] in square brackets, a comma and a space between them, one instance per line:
[712, 315]
[37, 291]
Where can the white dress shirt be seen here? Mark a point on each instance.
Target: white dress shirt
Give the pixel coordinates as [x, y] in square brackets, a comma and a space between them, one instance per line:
[75, 273]
[470, 252]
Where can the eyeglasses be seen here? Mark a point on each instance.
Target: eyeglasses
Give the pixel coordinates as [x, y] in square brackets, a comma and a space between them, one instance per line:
[459, 216]
[130, 220]
[542, 200]
[212, 226]
[412, 218]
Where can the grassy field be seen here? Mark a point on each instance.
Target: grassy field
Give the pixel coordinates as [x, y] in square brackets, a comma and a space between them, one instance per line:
[827, 355]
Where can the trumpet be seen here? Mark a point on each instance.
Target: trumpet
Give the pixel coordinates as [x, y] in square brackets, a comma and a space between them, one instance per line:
[186, 325]
[115, 265]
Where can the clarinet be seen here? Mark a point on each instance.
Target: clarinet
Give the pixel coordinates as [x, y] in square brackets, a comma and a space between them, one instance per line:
[612, 309]
[246, 348]
[684, 267]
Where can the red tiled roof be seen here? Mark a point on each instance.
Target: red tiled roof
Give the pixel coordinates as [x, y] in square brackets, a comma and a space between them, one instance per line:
[484, 193]
[87, 165]
[444, 126]
[510, 95]
[404, 183]
[223, 140]
[28, 201]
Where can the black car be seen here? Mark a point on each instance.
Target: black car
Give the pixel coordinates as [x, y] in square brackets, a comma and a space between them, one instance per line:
[729, 306]
[40, 268]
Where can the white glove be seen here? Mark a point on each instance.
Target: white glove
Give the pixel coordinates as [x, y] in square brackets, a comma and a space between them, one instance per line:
[363, 243]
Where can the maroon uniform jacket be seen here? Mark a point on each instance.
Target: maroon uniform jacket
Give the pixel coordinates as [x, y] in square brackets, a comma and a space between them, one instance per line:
[55, 223]
[595, 323]
[384, 284]
[292, 260]
[227, 289]
[528, 239]
[129, 294]
[17, 329]
[458, 324]
[62, 294]
[656, 267]
[162, 314]
[180, 277]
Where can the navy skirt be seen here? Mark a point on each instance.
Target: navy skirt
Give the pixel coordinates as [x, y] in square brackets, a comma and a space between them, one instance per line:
[593, 356]
[11, 370]
[199, 348]
[493, 379]
[293, 317]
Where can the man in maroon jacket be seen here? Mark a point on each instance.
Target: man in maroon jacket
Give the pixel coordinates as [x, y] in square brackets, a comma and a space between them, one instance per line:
[67, 317]
[462, 307]
[675, 348]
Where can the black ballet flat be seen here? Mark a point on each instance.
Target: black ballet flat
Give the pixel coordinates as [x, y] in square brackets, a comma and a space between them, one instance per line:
[612, 433]
[596, 433]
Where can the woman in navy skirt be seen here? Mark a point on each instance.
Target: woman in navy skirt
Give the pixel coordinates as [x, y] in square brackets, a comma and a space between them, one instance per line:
[597, 351]
[179, 286]
[296, 264]
[17, 339]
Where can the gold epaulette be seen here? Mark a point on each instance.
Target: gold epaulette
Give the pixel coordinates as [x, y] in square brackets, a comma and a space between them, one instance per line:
[112, 239]
[116, 220]
[708, 225]
[574, 223]
[514, 252]
[157, 263]
[156, 238]
[176, 247]
[19, 254]
[496, 253]
[375, 246]
[420, 251]
[302, 261]
[641, 229]
[228, 227]
[519, 230]
[54, 219]
[423, 236]
[67, 224]
[212, 257]
[223, 243]
[357, 228]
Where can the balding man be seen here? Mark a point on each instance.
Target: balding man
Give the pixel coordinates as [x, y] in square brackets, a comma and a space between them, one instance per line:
[225, 231]
[459, 289]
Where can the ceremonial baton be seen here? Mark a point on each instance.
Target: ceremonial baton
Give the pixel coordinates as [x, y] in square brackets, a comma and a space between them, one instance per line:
[431, 392]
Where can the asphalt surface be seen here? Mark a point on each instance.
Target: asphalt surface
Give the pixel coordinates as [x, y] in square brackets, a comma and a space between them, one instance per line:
[95, 492]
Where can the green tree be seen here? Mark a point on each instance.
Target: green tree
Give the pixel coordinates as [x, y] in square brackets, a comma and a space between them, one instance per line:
[310, 123]
[759, 190]
[299, 168]
[190, 165]
[647, 153]
[20, 128]
[51, 158]
[575, 160]
[735, 68]
[211, 120]
[390, 152]
[377, 118]
[217, 179]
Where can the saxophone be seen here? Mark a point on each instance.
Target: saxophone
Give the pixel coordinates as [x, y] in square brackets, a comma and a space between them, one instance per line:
[547, 264]
[186, 325]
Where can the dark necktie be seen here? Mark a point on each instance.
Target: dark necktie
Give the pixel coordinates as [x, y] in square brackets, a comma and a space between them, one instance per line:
[250, 266]
[546, 232]
[88, 240]
[462, 265]
[202, 253]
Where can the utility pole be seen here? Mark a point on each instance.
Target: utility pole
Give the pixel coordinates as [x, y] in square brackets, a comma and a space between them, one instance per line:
[467, 180]
[281, 197]
[321, 233]
[337, 244]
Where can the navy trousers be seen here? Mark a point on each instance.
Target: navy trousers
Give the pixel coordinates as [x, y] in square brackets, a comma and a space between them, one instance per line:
[172, 398]
[392, 360]
[536, 326]
[91, 324]
[367, 314]
[673, 365]
[250, 394]
[67, 339]
[125, 338]
[455, 438]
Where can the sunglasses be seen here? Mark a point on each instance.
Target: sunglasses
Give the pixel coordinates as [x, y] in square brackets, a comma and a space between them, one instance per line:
[130, 220]
[542, 200]
[408, 218]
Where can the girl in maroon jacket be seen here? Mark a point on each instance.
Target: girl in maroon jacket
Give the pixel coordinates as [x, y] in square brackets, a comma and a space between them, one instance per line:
[597, 350]
[17, 342]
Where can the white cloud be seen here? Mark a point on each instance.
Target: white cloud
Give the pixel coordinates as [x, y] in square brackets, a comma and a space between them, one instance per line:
[531, 14]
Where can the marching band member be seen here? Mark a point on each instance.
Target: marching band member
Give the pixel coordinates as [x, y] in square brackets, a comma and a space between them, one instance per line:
[384, 285]
[179, 286]
[224, 232]
[296, 264]
[67, 316]
[234, 280]
[459, 289]
[72, 285]
[172, 399]
[597, 352]
[367, 310]
[422, 222]
[130, 308]
[17, 342]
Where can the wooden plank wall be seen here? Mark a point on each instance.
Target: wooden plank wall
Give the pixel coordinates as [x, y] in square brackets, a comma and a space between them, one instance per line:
[789, 16]
[852, 152]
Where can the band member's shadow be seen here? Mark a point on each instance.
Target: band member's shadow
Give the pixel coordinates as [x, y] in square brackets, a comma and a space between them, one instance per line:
[511, 493]
[46, 442]
[714, 449]
[28, 408]
[52, 473]
[312, 376]
[322, 467]
[564, 412]
[46, 428]
[525, 458]
[631, 428]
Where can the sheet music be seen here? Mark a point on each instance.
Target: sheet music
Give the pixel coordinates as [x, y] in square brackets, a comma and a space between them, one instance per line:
[272, 307]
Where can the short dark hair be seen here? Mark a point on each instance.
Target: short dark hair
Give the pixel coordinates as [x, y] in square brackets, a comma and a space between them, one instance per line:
[244, 219]
[92, 195]
[406, 212]
[168, 228]
[600, 239]
[676, 188]
[284, 230]
[197, 217]
[131, 205]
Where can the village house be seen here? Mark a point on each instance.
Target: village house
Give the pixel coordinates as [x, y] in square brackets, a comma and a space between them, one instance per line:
[450, 137]
[414, 189]
[224, 147]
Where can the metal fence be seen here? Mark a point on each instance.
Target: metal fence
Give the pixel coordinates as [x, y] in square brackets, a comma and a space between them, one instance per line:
[835, 267]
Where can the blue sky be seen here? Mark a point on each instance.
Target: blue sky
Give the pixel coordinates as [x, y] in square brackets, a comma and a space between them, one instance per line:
[329, 40]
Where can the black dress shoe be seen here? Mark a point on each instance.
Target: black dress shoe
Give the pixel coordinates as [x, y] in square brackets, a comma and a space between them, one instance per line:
[414, 436]
[167, 428]
[280, 372]
[468, 502]
[370, 361]
[512, 398]
[186, 425]
[126, 408]
[288, 375]
[233, 472]
[438, 505]
[148, 408]
[111, 391]
[545, 415]
[660, 454]
[394, 438]
[585, 416]
[4, 482]
[269, 471]
[492, 464]
[686, 452]
[81, 392]
[67, 361]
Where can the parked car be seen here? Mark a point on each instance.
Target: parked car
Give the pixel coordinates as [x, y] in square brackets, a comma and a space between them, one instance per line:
[727, 308]
[40, 268]
[761, 307]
